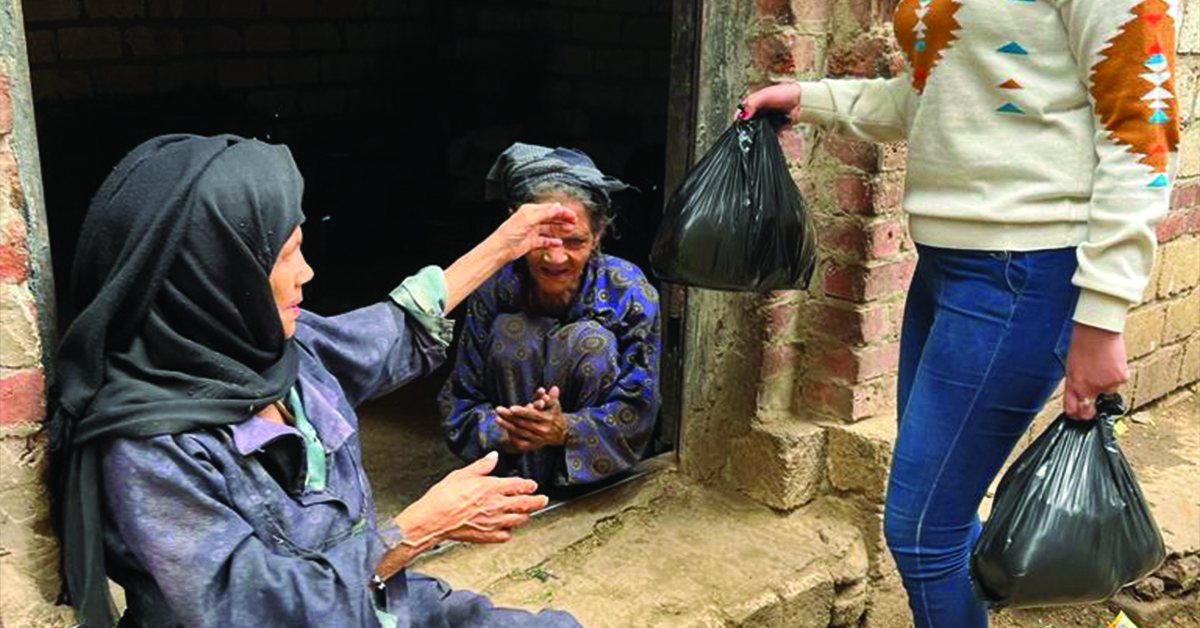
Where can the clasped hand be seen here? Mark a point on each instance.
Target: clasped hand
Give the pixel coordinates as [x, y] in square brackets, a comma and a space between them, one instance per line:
[532, 426]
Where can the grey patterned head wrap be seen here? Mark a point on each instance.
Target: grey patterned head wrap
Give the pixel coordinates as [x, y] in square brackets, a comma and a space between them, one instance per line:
[523, 166]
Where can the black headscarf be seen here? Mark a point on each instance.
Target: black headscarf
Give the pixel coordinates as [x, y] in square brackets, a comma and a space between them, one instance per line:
[522, 166]
[178, 328]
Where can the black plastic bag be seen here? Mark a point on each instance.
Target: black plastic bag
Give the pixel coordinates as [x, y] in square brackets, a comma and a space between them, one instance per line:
[1070, 524]
[738, 222]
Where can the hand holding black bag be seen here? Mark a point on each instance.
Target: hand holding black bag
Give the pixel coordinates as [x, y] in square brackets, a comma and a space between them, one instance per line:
[1070, 524]
[738, 222]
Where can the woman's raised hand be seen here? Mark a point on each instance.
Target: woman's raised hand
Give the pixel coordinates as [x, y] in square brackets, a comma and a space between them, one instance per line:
[532, 226]
[469, 505]
[784, 97]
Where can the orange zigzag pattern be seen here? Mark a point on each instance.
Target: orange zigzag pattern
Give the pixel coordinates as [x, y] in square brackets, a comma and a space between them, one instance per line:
[940, 26]
[1119, 87]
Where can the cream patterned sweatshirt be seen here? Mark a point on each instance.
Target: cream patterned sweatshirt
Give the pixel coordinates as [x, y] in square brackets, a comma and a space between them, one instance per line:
[1031, 124]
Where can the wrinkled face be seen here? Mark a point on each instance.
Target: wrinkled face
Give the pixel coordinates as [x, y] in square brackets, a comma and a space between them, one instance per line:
[288, 276]
[556, 270]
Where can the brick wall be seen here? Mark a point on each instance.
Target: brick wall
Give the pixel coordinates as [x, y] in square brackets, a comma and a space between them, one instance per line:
[28, 554]
[829, 355]
[833, 352]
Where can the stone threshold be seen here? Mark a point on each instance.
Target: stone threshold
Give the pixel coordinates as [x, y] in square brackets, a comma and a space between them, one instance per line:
[663, 551]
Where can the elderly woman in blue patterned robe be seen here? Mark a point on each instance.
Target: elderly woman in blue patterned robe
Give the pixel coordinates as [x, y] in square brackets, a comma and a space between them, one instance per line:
[558, 363]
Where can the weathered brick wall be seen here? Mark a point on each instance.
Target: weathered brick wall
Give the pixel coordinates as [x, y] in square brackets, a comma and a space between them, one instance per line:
[28, 553]
[824, 415]
[832, 352]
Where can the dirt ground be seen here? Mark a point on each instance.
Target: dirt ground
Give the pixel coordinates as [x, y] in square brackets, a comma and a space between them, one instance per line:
[405, 454]
[1093, 616]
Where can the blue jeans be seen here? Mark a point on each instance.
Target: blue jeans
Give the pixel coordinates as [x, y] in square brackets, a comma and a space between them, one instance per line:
[983, 346]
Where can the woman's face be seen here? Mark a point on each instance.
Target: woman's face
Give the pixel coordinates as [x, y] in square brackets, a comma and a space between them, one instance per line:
[288, 277]
[556, 270]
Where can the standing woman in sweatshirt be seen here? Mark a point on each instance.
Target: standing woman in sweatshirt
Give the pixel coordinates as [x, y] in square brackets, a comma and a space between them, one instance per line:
[1042, 143]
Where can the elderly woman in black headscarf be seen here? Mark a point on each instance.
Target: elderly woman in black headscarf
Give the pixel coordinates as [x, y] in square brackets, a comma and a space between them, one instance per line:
[204, 445]
[558, 363]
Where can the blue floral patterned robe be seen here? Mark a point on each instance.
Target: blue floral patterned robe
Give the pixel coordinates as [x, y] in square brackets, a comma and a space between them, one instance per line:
[603, 354]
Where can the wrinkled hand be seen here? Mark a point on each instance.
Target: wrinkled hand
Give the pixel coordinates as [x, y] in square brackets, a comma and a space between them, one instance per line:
[536, 424]
[784, 97]
[469, 505]
[532, 226]
[1095, 364]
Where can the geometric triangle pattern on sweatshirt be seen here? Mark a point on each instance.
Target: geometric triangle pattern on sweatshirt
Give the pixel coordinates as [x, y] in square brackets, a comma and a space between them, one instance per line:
[925, 29]
[1140, 112]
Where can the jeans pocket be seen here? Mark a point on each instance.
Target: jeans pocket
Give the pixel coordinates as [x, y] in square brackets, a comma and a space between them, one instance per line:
[1016, 271]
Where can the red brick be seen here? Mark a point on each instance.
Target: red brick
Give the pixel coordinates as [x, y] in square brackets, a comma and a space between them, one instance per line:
[781, 320]
[377, 8]
[1174, 224]
[268, 38]
[1192, 224]
[781, 360]
[155, 42]
[43, 47]
[308, 8]
[44, 10]
[860, 364]
[773, 54]
[814, 15]
[89, 43]
[844, 236]
[318, 36]
[122, 9]
[852, 152]
[794, 145]
[22, 396]
[340, 8]
[778, 10]
[124, 79]
[856, 325]
[6, 110]
[852, 402]
[218, 39]
[860, 56]
[886, 238]
[1185, 196]
[854, 194]
[889, 194]
[11, 176]
[13, 260]
[235, 8]
[862, 12]
[866, 282]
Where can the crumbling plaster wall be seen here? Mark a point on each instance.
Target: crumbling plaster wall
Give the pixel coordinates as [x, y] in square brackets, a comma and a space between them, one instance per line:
[28, 553]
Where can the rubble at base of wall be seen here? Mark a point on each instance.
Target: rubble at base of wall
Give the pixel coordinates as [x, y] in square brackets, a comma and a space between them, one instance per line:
[1155, 599]
[28, 550]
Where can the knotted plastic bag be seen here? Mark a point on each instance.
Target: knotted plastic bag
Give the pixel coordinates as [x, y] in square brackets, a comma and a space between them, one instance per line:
[738, 222]
[1070, 524]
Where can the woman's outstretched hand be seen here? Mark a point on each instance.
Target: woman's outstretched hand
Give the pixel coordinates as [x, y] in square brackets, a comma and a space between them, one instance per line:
[1095, 364]
[470, 505]
[784, 97]
[467, 505]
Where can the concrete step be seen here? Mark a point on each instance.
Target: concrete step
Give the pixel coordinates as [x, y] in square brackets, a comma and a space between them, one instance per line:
[661, 551]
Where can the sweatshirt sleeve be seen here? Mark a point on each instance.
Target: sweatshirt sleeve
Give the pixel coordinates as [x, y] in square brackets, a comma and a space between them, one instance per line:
[1125, 50]
[873, 110]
